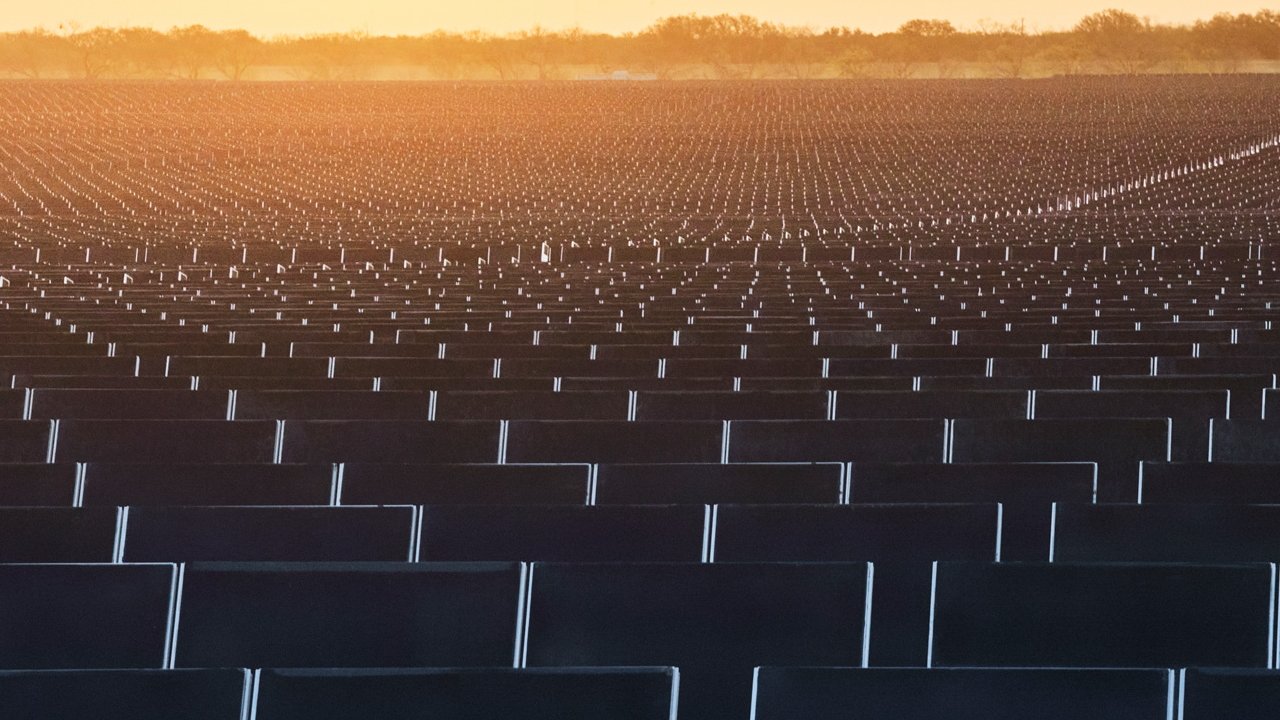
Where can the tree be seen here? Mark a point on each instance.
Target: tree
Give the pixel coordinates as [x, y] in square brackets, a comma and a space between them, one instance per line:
[921, 41]
[234, 52]
[927, 28]
[1064, 54]
[855, 62]
[1120, 40]
[143, 52]
[193, 49]
[333, 56]
[673, 41]
[541, 49]
[498, 53]
[31, 53]
[801, 58]
[733, 46]
[1226, 41]
[1009, 47]
[1264, 34]
[443, 54]
[96, 52]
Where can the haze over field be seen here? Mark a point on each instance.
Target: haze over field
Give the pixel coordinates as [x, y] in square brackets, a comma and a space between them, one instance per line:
[502, 16]
[674, 47]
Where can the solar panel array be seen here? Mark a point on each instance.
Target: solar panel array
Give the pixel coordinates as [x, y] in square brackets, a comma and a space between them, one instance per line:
[736, 400]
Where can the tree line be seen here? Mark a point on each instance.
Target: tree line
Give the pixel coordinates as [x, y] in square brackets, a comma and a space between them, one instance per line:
[679, 47]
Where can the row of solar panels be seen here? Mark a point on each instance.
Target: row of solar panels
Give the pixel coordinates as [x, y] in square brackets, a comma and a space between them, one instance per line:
[714, 621]
[916, 532]
[1116, 445]
[645, 405]
[637, 365]
[639, 694]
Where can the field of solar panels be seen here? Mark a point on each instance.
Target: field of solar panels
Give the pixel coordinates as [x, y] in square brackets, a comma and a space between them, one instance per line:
[724, 400]
[426, 168]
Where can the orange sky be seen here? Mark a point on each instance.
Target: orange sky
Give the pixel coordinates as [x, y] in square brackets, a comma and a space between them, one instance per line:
[269, 17]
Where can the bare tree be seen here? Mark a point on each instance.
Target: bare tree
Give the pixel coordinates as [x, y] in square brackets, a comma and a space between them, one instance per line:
[496, 53]
[801, 58]
[30, 53]
[96, 51]
[855, 62]
[235, 52]
[1009, 47]
[143, 52]
[443, 54]
[541, 49]
[193, 50]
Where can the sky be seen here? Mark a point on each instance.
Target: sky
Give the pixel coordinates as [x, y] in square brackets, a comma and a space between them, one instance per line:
[412, 17]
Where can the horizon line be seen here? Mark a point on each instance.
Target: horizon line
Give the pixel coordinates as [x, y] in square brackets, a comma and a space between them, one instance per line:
[71, 26]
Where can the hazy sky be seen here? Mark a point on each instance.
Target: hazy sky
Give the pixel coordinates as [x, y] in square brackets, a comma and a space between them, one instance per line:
[269, 17]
